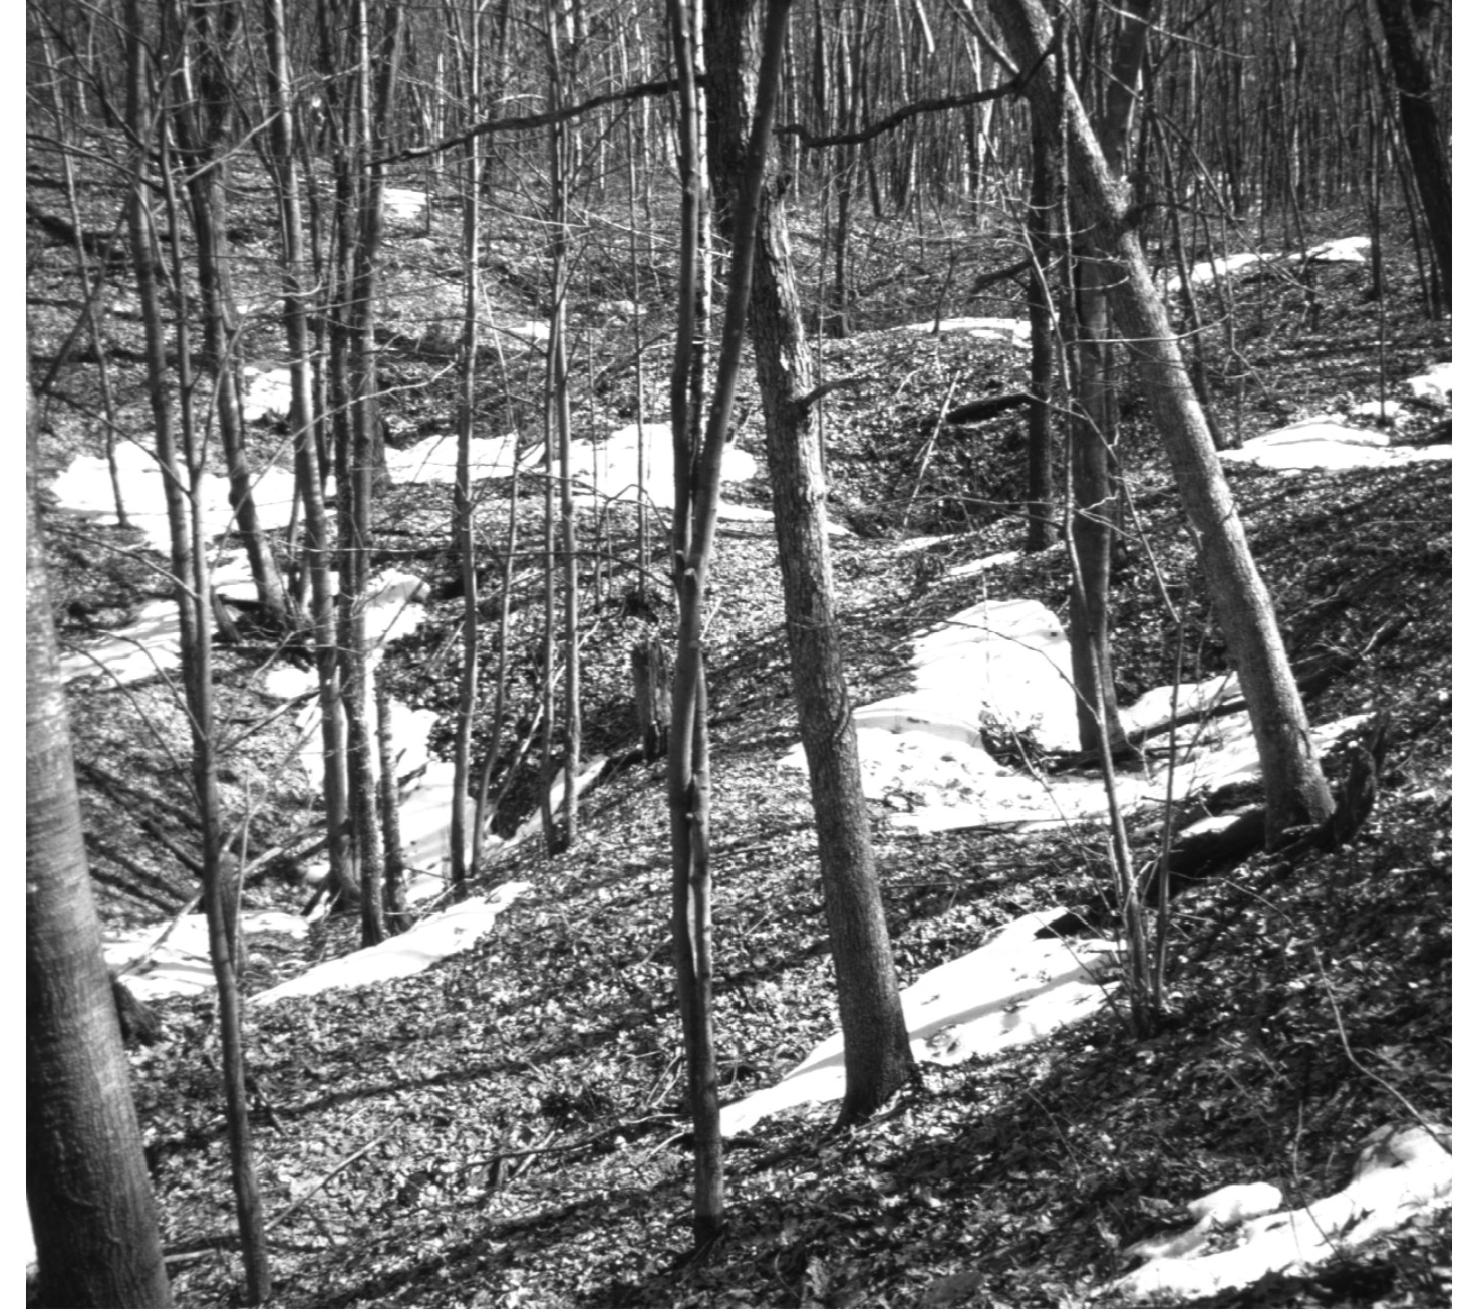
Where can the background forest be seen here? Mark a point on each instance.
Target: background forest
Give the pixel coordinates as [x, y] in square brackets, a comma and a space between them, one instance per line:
[576, 408]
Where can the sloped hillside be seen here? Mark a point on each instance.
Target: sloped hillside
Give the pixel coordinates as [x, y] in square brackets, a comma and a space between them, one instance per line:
[507, 1127]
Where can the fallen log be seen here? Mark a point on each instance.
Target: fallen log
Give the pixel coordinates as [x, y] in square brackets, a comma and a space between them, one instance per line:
[982, 408]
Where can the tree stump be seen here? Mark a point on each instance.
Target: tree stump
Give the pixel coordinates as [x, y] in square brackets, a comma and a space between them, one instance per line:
[652, 670]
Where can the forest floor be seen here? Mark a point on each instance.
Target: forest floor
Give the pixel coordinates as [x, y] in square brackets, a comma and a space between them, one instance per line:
[508, 1128]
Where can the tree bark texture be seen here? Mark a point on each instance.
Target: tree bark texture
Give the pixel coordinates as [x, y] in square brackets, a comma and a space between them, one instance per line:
[1296, 793]
[1041, 307]
[688, 760]
[91, 1205]
[1422, 130]
[877, 1054]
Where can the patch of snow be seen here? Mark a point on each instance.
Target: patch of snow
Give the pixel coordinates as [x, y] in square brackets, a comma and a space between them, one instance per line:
[394, 607]
[267, 392]
[1382, 411]
[982, 564]
[1434, 386]
[1006, 661]
[133, 653]
[1206, 271]
[84, 489]
[609, 470]
[433, 939]
[1327, 445]
[526, 333]
[921, 753]
[1014, 990]
[1015, 332]
[403, 202]
[434, 460]
[1397, 1175]
[1343, 251]
[174, 955]
[1156, 706]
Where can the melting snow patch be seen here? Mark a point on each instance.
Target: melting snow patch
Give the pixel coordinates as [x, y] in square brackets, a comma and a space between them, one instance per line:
[1327, 445]
[267, 392]
[84, 489]
[1008, 661]
[1015, 332]
[610, 470]
[922, 753]
[174, 955]
[434, 460]
[1343, 251]
[1396, 1176]
[403, 202]
[1434, 386]
[431, 940]
[1206, 271]
[1014, 990]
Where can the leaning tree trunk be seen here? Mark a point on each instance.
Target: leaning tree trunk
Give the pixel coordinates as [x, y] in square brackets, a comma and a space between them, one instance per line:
[1296, 793]
[877, 1056]
[91, 1205]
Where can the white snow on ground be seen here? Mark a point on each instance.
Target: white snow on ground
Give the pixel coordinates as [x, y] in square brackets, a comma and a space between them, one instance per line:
[1015, 332]
[1012, 991]
[609, 470]
[1343, 251]
[434, 460]
[266, 392]
[1397, 1175]
[403, 202]
[1004, 661]
[150, 643]
[1329, 445]
[84, 489]
[1206, 271]
[1008, 665]
[1434, 386]
[435, 938]
[171, 958]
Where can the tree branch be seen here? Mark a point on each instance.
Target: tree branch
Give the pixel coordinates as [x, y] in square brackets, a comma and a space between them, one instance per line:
[927, 106]
[524, 122]
[831, 386]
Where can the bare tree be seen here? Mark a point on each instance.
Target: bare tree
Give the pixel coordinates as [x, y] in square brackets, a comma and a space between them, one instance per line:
[1296, 793]
[183, 470]
[688, 761]
[877, 1056]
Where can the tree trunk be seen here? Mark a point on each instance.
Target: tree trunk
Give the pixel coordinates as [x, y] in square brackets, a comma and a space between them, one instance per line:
[1422, 131]
[650, 666]
[688, 763]
[877, 1055]
[462, 494]
[308, 474]
[1296, 793]
[1041, 306]
[204, 150]
[90, 1200]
